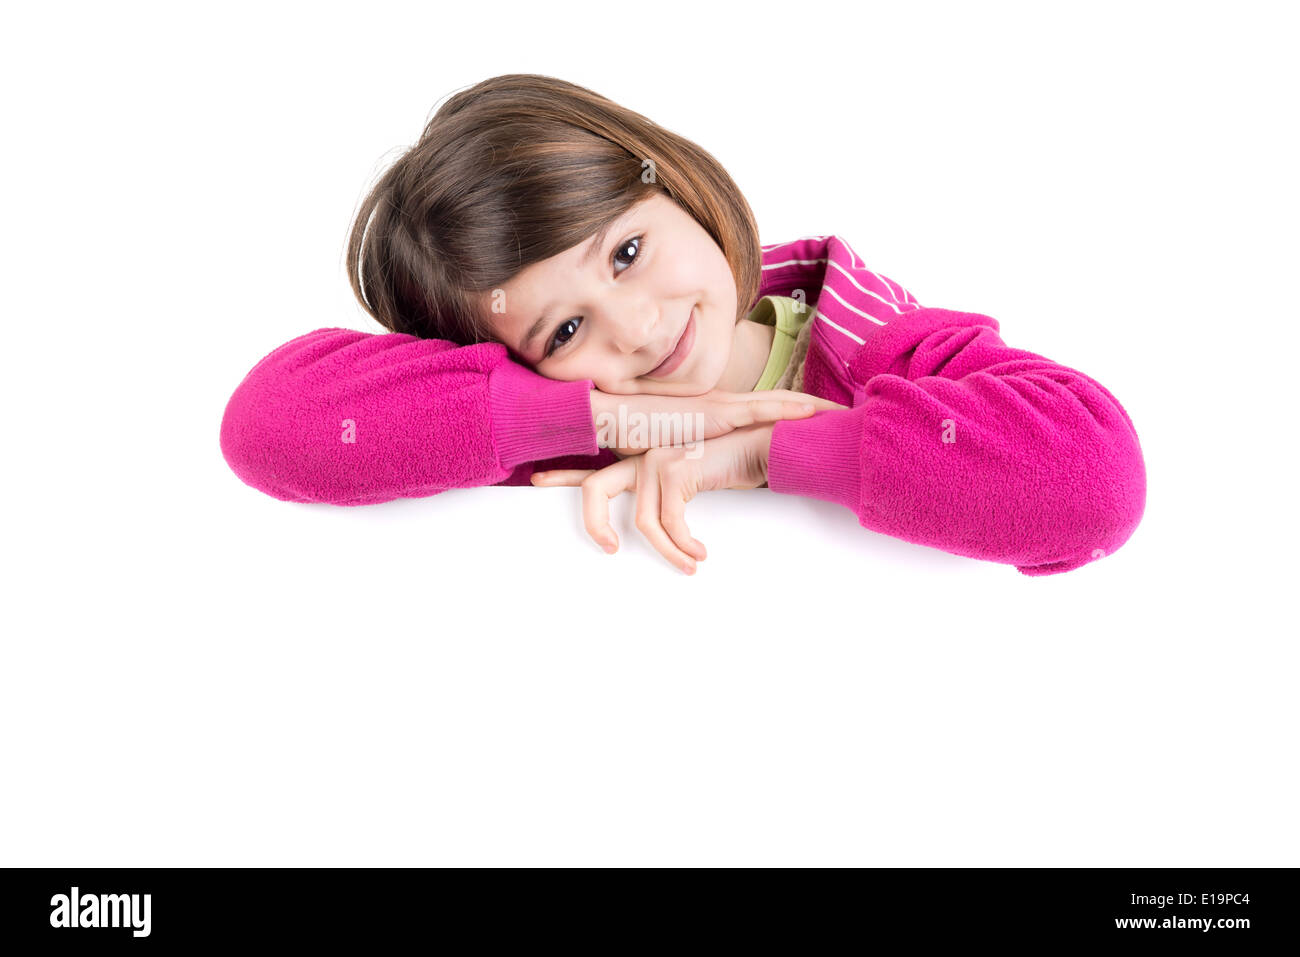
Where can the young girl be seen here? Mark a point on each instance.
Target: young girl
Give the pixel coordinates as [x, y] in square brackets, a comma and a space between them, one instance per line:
[550, 263]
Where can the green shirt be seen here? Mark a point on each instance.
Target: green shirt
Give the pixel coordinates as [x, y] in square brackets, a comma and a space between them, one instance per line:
[789, 316]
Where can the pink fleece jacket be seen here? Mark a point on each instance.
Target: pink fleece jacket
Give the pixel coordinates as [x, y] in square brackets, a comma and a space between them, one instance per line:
[952, 440]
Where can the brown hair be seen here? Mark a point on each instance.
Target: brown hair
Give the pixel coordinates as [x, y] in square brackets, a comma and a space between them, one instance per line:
[510, 172]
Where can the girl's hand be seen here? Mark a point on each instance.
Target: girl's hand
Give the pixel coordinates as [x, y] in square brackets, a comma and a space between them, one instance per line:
[664, 480]
[719, 413]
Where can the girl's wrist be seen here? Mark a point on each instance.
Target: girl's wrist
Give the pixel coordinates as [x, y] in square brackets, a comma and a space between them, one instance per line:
[762, 448]
[602, 413]
[598, 399]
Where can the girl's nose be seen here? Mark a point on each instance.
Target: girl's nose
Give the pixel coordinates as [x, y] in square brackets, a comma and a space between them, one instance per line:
[632, 335]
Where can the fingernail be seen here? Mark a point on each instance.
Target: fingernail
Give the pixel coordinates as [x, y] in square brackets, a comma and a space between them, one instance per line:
[806, 407]
[609, 547]
[700, 546]
[688, 567]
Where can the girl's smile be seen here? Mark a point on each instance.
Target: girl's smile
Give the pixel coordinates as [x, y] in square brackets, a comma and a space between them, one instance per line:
[679, 353]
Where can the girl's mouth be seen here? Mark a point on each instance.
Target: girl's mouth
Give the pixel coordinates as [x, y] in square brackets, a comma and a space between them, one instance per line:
[679, 353]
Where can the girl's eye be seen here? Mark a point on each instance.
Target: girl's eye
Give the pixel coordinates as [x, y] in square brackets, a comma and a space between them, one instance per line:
[559, 339]
[636, 244]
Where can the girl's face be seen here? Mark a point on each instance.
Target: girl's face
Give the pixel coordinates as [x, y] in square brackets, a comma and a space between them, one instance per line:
[611, 308]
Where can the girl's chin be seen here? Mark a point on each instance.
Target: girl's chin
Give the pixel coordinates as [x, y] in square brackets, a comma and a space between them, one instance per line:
[672, 388]
[695, 385]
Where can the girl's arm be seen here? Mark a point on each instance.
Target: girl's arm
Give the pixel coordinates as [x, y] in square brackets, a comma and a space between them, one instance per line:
[959, 442]
[354, 418]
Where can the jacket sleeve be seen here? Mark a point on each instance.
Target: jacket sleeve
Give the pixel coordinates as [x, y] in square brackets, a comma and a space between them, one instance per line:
[958, 442]
[354, 418]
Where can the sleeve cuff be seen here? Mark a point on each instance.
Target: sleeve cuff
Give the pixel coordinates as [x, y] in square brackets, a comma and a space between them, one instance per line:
[818, 457]
[536, 418]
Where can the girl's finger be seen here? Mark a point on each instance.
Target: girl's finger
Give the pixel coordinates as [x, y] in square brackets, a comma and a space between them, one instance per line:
[561, 477]
[612, 481]
[672, 512]
[798, 398]
[741, 414]
[648, 517]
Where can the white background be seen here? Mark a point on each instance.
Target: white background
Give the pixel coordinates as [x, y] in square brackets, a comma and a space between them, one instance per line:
[193, 673]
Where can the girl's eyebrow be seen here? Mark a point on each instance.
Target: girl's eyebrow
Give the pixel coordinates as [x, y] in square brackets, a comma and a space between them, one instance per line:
[593, 246]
